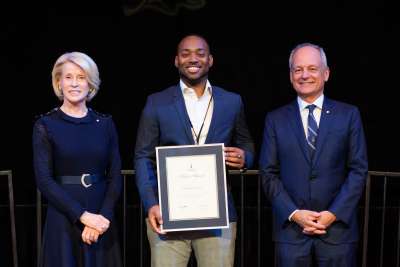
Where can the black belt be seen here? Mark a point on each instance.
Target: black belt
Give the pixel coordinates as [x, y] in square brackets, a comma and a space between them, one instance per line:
[85, 179]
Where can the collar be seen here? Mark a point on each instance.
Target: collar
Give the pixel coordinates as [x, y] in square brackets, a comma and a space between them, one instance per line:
[87, 119]
[303, 104]
[188, 90]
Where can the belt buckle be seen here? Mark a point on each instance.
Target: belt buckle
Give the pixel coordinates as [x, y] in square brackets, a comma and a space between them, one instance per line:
[83, 180]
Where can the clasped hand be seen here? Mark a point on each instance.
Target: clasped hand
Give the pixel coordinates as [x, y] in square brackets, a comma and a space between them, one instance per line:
[314, 223]
[95, 225]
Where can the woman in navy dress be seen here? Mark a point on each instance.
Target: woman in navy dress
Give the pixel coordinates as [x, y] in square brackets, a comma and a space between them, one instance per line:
[78, 170]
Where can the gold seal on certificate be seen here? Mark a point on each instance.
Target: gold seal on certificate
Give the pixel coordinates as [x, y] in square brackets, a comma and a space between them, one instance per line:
[192, 187]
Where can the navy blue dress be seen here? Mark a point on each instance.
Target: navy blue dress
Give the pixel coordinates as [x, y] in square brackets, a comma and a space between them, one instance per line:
[64, 145]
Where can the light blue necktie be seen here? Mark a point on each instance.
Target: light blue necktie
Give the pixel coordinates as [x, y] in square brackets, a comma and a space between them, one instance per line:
[312, 129]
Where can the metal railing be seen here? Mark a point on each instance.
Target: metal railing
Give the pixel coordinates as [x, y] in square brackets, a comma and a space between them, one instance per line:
[242, 218]
[11, 204]
[385, 176]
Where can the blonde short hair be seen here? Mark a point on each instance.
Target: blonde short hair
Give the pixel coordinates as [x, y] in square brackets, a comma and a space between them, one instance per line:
[88, 66]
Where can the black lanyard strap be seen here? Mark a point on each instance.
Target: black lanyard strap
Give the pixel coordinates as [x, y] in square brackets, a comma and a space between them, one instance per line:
[202, 125]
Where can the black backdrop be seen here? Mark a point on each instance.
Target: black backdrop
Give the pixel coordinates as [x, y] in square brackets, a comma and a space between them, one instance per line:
[250, 41]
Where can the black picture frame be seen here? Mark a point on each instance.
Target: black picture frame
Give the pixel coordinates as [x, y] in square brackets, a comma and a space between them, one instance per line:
[216, 151]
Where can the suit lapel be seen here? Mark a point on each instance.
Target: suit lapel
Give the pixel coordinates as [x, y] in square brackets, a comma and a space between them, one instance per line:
[323, 129]
[298, 129]
[180, 107]
[216, 115]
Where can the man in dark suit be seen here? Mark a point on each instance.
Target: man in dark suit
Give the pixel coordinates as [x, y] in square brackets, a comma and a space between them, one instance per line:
[313, 165]
[192, 112]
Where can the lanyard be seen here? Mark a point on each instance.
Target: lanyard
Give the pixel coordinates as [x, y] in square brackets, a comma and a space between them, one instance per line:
[202, 125]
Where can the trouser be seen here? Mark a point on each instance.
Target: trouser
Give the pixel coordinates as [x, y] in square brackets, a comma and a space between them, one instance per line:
[316, 251]
[212, 248]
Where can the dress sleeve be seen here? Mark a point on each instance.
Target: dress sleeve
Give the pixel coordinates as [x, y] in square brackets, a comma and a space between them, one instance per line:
[114, 173]
[43, 167]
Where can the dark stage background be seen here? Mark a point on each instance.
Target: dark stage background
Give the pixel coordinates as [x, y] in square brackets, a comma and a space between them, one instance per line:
[133, 42]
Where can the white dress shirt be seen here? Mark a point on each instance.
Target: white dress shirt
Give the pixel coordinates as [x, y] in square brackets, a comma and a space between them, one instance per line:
[197, 108]
[304, 111]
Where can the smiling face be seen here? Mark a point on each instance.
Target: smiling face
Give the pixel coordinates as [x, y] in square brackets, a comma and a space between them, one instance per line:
[193, 60]
[73, 83]
[308, 74]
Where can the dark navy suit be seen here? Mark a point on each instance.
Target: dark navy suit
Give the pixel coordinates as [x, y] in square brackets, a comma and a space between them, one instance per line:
[333, 179]
[165, 122]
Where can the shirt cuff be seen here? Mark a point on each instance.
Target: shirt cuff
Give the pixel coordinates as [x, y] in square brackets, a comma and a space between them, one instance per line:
[291, 215]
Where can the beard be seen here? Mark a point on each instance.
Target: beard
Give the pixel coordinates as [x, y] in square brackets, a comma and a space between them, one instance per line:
[193, 81]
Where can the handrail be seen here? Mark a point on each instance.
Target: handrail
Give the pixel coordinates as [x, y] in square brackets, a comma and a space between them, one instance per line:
[383, 175]
[8, 173]
[240, 174]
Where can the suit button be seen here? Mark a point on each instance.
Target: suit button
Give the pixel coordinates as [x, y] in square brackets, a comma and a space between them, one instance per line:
[313, 175]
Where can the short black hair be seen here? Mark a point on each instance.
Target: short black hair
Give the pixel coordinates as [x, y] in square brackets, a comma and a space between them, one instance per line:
[195, 35]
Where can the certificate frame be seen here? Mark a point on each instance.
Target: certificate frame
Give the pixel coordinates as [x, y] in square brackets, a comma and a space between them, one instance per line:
[192, 198]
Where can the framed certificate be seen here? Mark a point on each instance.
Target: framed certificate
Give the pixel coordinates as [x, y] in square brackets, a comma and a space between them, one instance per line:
[192, 187]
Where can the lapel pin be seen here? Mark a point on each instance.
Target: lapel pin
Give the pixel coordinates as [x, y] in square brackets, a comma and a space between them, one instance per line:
[328, 111]
[97, 120]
